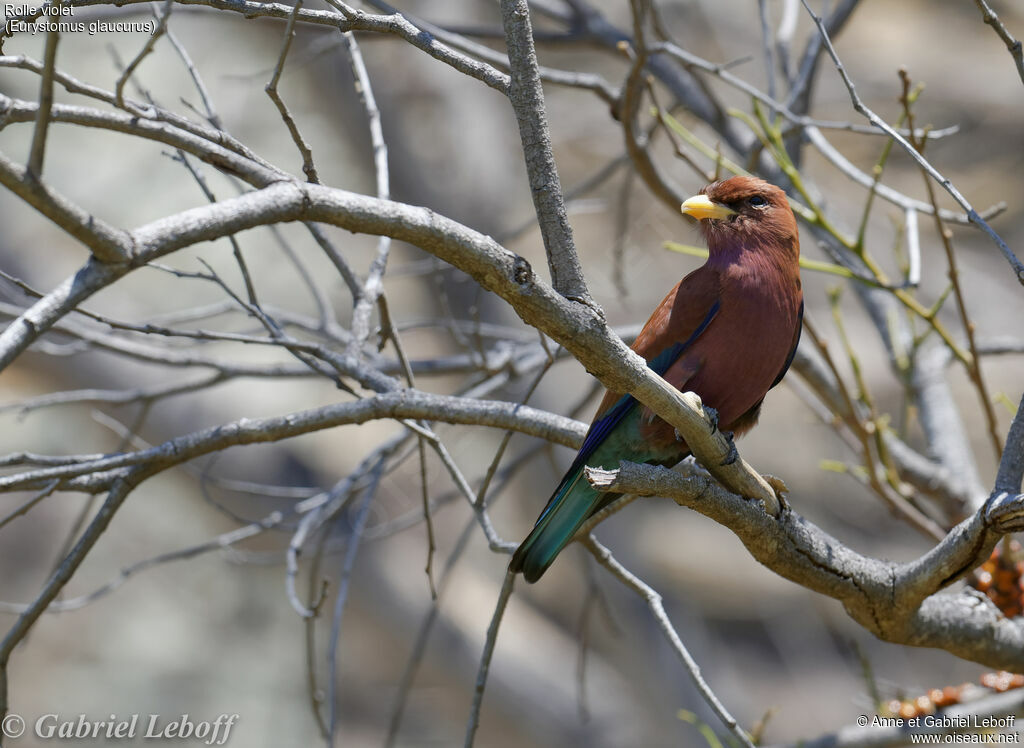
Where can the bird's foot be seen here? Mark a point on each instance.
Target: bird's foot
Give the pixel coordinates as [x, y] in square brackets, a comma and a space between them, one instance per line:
[733, 453]
[779, 487]
[713, 417]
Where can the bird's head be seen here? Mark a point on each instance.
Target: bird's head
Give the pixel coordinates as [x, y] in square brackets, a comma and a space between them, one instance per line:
[744, 212]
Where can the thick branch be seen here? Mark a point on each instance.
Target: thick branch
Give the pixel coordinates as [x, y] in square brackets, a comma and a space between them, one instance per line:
[895, 601]
[42, 315]
[943, 427]
[106, 243]
[397, 404]
[576, 326]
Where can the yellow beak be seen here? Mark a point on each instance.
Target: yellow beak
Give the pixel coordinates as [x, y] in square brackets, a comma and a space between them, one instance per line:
[700, 207]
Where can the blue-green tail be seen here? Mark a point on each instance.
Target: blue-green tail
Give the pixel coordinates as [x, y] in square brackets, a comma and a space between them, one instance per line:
[572, 504]
[614, 436]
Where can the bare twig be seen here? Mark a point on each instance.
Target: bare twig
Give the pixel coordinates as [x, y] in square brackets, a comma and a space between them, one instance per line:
[37, 150]
[354, 538]
[373, 288]
[322, 508]
[209, 145]
[119, 491]
[801, 90]
[527, 97]
[654, 602]
[204, 95]
[946, 236]
[221, 542]
[972, 214]
[1012, 45]
[308, 167]
[586, 81]
[27, 506]
[485, 659]
[419, 647]
[837, 159]
[767, 48]
[162, 17]
[784, 37]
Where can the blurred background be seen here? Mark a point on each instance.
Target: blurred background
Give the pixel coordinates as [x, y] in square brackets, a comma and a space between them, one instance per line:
[579, 659]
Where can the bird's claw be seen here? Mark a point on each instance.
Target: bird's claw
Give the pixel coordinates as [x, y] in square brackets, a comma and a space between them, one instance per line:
[778, 485]
[713, 417]
[733, 454]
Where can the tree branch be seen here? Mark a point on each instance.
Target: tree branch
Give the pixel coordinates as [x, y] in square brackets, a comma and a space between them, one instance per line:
[527, 97]
[398, 404]
[108, 245]
[895, 601]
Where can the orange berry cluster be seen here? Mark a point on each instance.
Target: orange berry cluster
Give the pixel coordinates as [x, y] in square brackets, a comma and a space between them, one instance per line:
[1002, 681]
[938, 698]
[1002, 580]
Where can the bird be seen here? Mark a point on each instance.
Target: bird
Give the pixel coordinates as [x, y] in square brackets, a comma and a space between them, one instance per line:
[727, 331]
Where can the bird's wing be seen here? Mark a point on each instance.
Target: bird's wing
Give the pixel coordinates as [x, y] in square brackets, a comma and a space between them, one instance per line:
[792, 349]
[662, 335]
[672, 329]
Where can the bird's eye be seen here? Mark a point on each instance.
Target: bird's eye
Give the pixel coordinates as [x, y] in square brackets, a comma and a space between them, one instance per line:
[757, 201]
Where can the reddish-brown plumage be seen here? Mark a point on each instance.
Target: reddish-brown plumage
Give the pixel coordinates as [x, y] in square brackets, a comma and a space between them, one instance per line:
[753, 273]
[727, 331]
